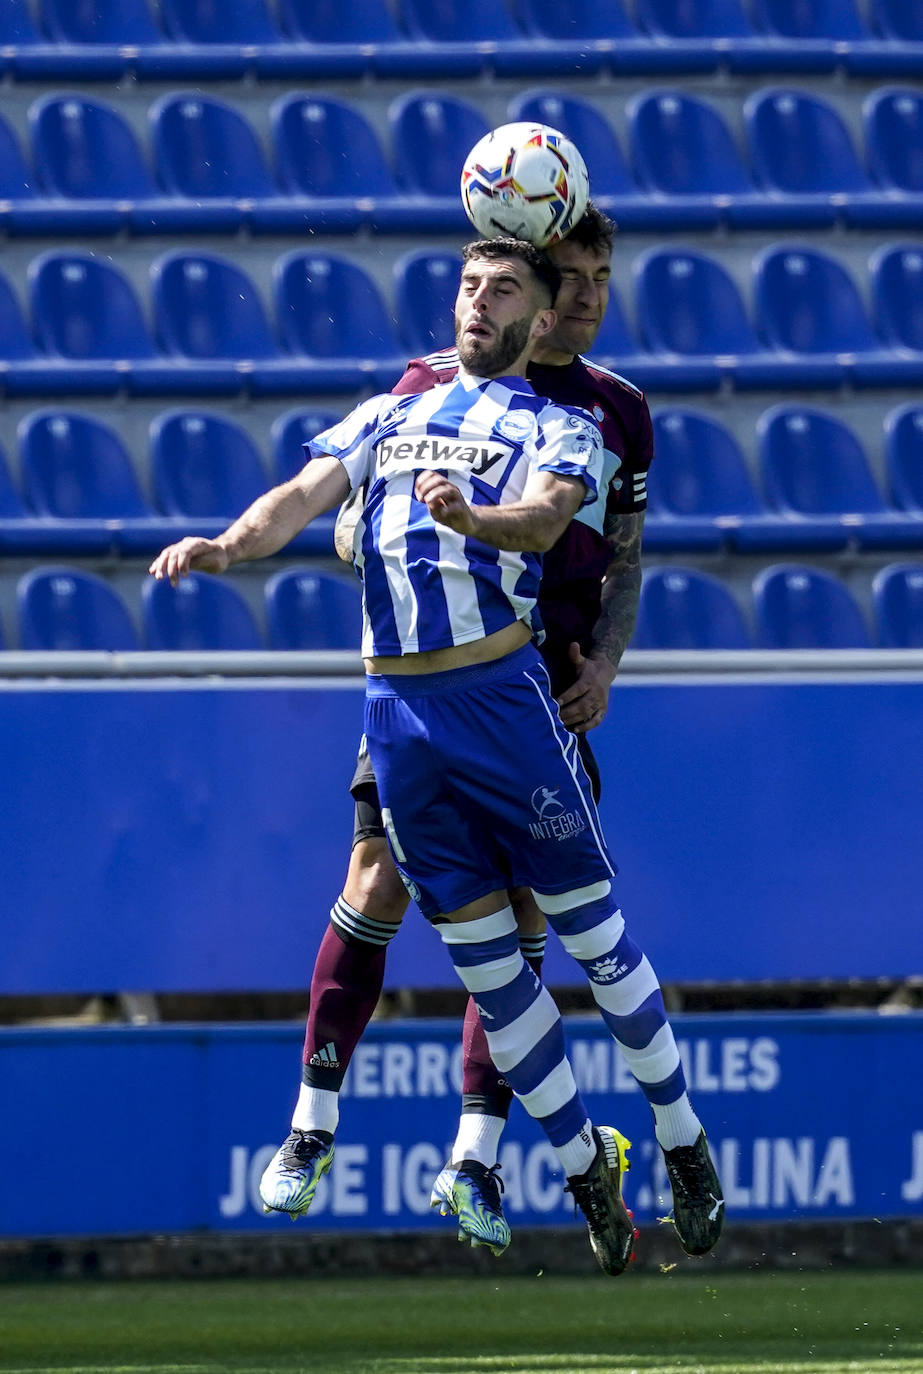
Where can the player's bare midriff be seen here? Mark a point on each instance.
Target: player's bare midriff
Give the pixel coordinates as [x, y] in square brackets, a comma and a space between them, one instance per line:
[485, 650]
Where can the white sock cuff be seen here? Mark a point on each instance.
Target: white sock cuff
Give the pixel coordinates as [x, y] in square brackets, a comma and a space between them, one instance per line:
[317, 1109]
[600, 939]
[553, 903]
[485, 928]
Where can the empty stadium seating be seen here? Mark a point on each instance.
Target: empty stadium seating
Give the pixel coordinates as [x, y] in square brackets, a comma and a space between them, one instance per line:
[700, 492]
[682, 608]
[65, 608]
[898, 597]
[327, 224]
[306, 609]
[802, 607]
[202, 613]
[815, 469]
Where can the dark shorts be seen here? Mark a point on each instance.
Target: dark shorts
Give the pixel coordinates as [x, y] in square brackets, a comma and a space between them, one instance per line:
[367, 822]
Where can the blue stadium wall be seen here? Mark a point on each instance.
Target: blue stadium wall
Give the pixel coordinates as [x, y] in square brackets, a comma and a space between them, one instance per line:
[168, 836]
[168, 1129]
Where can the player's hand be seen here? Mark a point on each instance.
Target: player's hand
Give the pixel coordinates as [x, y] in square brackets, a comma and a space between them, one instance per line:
[584, 705]
[444, 502]
[189, 555]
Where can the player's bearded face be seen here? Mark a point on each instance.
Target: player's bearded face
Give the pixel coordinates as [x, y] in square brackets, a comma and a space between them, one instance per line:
[490, 356]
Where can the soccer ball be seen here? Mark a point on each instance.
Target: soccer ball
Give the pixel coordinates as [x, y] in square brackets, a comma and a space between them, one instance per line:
[527, 181]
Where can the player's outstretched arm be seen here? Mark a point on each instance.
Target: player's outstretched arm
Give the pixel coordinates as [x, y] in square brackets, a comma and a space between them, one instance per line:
[264, 528]
[532, 524]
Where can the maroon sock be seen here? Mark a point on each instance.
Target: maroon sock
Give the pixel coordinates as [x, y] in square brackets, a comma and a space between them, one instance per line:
[484, 1090]
[345, 988]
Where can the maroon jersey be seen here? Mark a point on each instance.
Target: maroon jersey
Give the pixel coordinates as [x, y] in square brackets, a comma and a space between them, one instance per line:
[572, 571]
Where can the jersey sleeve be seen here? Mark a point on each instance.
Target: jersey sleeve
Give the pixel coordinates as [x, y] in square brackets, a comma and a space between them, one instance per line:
[637, 460]
[570, 443]
[350, 440]
[418, 376]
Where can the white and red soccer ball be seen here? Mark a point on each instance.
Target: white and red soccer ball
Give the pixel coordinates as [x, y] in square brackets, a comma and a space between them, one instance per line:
[527, 181]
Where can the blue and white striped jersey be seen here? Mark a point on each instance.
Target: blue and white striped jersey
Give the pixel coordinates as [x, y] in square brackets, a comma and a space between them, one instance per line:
[425, 586]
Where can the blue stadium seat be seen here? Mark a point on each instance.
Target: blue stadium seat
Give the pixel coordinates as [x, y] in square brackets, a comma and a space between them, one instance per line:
[897, 594]
[904, 456]
[207, 307]
[683, 150]
[801, 149]
[85, 307]
[203, 464]
[899, 19]
[203, 612]
[244, 23]
[84, 148]
[62, 608]
[425, 288]
[897, 295]
[86, 152]
[330, 21]
[313, 610]
[75, 467]
[613, 186]
[700, 492]
[809, 19]
[16, 26]
[114, 22]
[206, 151]
[807, 303]
[446, 21]
[693, 18]
[431, 135]
[21, 208]
[806, 608]
[698, 35]
[290, 431]
[12, 506]
[17, 344]
[578, 19]
[681, 608]
[326, 149]
[690, 309]
[894, 146]
[815, 471]
[86, 311]
[330, 308]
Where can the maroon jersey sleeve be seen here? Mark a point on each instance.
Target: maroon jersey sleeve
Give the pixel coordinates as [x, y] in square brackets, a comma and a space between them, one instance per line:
[422, 374]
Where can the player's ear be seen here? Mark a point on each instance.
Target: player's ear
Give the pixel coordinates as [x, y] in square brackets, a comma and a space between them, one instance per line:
[544, 322]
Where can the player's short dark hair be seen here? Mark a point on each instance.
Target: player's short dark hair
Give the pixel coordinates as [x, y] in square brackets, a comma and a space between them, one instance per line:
[542, 267]
[594, 230]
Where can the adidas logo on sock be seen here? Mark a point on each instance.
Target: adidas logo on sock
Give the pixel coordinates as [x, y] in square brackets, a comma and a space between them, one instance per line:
[326, 1058]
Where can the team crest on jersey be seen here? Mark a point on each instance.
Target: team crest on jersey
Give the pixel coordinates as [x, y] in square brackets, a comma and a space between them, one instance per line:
[599, 413]
[516, 425]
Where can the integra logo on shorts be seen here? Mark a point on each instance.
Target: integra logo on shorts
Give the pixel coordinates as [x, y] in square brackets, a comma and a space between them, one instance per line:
[554, 821]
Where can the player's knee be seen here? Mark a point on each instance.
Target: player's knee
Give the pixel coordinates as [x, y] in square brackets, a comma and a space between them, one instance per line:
[373, 884]
[530, 919]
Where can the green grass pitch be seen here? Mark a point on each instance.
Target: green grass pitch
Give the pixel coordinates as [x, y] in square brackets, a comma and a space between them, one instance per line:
[703, 1322]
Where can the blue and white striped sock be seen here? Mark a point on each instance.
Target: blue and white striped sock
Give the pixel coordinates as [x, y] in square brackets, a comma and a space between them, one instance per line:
[628, 995]
[524, 1032]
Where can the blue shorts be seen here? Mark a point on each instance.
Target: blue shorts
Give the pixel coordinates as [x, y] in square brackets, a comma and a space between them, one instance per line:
[482, 787]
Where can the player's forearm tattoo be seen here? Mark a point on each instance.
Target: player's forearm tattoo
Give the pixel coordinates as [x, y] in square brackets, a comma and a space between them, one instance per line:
[621, 588]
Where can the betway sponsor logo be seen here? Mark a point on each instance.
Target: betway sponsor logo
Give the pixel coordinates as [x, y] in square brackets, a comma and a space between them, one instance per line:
[433, 452]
